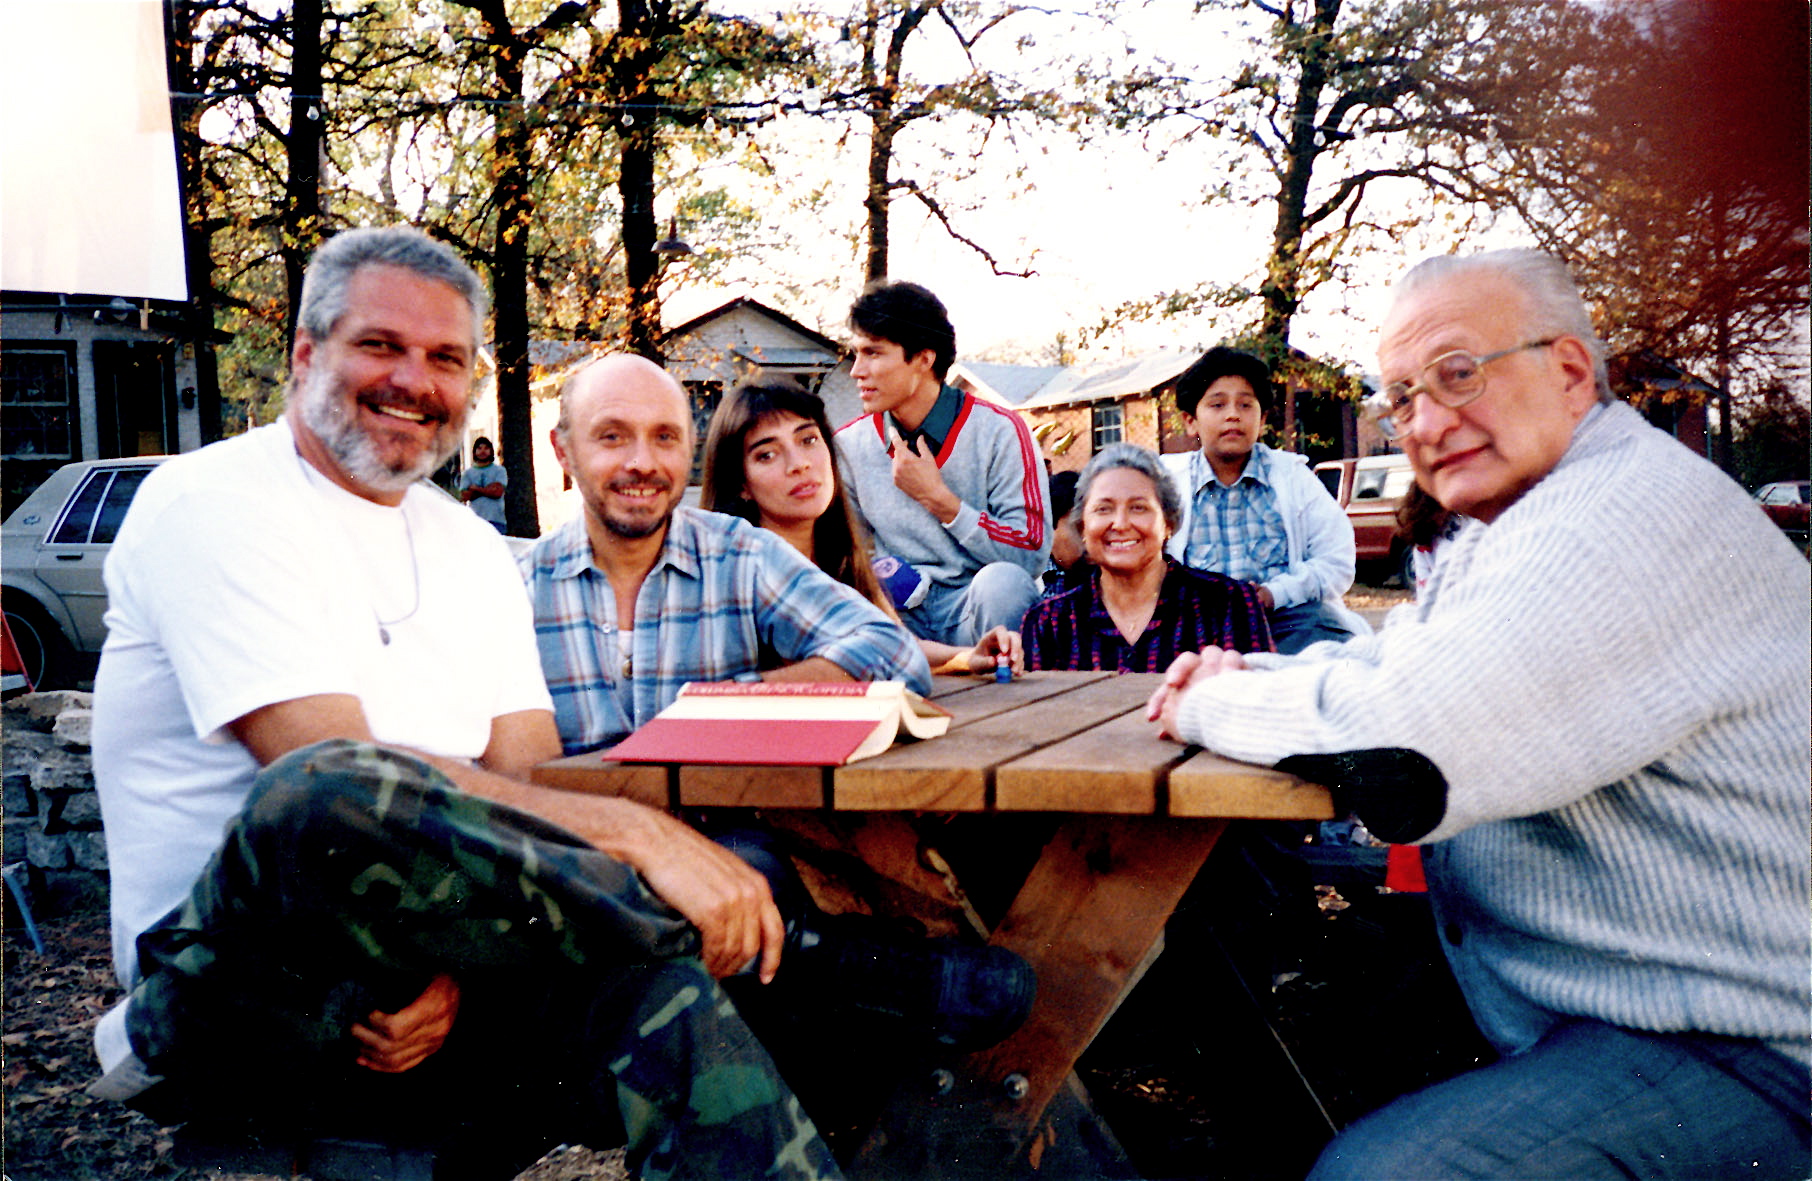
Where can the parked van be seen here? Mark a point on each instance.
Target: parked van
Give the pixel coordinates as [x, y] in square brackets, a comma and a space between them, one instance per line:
[1370, 489]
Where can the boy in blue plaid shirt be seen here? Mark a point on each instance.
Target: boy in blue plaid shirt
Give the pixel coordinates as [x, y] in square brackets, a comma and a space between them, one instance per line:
[1257, 514]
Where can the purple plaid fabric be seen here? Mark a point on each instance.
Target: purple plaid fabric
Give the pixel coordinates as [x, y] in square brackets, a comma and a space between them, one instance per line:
[1072, 629]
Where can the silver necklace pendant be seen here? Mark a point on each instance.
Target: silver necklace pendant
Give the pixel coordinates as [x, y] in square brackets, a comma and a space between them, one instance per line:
[415, 575]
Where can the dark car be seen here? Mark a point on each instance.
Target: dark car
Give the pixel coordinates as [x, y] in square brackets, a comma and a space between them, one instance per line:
[1786, 504]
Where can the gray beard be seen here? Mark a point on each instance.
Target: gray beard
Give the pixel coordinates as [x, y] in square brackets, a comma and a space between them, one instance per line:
[352, 449]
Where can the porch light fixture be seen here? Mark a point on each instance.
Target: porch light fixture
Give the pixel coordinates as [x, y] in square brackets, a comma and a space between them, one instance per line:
[672, 246]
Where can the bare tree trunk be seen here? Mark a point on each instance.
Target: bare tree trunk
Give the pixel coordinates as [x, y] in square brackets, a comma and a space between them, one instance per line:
[307, 121]
[880, 161]
[642, 270]
[1281, 288]
[198, 252]
[882, 69]
[509, 277]
[635, 177]
[1720, 225]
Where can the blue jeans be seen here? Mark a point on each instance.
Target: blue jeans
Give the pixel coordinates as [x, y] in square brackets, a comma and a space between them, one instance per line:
[1592, 1100]
[999, 595]
[1295, 628]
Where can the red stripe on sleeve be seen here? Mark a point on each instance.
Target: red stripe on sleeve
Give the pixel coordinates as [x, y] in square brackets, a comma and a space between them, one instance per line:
[1031, 487]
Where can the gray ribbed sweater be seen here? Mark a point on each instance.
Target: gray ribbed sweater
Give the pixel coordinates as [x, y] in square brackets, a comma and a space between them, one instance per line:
[1614, 677]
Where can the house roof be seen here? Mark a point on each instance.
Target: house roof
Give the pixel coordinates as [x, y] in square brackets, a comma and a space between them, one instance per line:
[1011, 384]
[756, 355]
[161, 317]
[1655, 372]
[550, 355]
[757, 306]
[557, 354]
[1111, 379]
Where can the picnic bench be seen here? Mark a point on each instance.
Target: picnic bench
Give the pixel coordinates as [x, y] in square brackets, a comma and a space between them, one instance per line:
[1135, 817]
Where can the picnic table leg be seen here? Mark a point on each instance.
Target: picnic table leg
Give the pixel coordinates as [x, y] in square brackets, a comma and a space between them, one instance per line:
[875, 861]
[1089, 912]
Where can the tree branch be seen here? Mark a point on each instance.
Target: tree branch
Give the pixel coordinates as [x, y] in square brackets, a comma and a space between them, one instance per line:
[937, 210]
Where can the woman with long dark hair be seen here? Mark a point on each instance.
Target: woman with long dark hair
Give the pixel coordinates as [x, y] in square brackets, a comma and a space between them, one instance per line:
[770, 459]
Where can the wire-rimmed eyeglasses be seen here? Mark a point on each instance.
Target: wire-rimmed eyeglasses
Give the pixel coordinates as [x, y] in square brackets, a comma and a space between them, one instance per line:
[1451, 379]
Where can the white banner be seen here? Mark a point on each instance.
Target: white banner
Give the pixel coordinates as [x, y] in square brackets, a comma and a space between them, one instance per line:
[88, 193]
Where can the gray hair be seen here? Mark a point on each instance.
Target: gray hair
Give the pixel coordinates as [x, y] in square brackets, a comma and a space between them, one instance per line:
[331, 270]
[1133, 458]
[1551, 298]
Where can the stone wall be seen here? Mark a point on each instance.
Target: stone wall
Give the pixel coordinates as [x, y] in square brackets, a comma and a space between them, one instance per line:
[53, 818]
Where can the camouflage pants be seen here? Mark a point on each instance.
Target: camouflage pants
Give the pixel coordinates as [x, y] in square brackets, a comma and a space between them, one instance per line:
[352, 876]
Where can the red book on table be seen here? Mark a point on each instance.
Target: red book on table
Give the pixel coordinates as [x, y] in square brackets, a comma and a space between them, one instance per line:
[781, 723]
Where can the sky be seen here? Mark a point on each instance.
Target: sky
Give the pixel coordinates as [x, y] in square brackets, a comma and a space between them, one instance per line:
[1099, 225]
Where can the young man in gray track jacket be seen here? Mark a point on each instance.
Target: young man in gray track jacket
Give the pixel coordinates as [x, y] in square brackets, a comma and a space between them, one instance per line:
[952, 488]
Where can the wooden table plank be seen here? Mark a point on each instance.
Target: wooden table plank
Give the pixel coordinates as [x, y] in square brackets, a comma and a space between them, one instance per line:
[1209, 785]
[954, 773]
[988, 698]
[950, 685]
[1116, 767]
[969, 699]
[707, 786]
[645, 783]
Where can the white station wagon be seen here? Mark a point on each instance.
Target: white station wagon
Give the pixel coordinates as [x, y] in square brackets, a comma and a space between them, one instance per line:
[51, 553]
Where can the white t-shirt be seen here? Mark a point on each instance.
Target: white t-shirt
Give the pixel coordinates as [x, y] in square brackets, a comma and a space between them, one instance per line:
[242, 578]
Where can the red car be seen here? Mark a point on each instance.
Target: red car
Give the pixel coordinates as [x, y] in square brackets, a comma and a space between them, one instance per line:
[1786, 504]
[1370, 489]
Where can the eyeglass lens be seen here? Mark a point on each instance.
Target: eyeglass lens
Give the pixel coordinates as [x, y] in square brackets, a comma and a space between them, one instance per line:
[1451, 380]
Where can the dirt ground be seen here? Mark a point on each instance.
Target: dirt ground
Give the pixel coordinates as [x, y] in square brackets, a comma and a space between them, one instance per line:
[55, 1131]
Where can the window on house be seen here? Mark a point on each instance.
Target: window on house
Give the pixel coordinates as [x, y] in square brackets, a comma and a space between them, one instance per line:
[1106, 425]
[37, 403]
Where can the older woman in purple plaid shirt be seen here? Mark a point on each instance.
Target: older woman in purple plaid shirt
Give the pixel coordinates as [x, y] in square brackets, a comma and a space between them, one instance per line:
[1134, 609]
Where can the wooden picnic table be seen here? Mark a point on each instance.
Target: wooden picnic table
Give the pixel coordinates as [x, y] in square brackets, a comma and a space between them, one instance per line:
[1135, 818]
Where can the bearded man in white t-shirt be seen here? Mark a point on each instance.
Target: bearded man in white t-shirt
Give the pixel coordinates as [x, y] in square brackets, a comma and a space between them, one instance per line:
[336, 900]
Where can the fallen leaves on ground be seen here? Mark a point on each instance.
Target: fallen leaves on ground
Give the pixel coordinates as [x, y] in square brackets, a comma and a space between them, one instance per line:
[55, 1131]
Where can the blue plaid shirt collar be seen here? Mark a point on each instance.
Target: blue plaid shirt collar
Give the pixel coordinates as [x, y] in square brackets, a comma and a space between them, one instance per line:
[1258, 469]
[572, 554]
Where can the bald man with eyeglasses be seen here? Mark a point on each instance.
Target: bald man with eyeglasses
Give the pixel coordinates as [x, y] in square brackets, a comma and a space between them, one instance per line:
[1594, 723]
